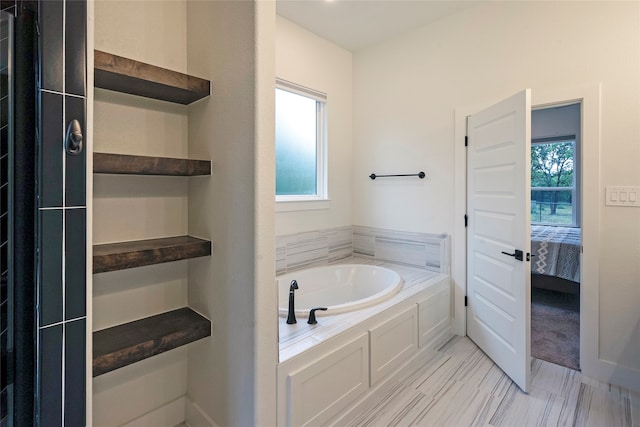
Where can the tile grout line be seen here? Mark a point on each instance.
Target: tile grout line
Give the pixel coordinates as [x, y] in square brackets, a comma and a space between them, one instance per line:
[55, 92]
[63, 322]
[64, 204]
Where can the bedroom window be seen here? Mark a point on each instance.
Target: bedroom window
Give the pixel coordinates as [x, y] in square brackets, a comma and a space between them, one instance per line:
[553, 181]
[300, 143]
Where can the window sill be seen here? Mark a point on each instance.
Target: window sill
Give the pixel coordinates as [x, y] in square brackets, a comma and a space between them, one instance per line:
[302, 205]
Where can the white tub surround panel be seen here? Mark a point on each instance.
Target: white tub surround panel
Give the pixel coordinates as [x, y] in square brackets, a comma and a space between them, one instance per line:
[433, 317]
[345, 358]
[420, 250]
[313, 399]
[392, 342]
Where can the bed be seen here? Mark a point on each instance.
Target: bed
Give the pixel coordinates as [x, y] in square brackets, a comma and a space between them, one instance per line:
[556, 261]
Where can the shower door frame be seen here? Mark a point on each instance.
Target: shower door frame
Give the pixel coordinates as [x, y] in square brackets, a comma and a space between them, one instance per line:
[8, 380]
[21, 224]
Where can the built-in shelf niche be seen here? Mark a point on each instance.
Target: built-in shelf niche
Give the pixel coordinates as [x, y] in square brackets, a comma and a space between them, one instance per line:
[125, 75]
[132, 342]
[124, 164]
[138, 253]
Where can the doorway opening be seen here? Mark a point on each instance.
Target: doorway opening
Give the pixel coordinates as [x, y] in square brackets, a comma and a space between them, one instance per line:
[556, 227]
[588, 96]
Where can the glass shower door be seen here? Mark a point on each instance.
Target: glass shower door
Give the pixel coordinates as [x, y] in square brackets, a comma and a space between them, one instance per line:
[17, 218]
[6, 197]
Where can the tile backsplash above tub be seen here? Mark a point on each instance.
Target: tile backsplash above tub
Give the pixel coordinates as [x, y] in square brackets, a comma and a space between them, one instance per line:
[420, 250]
[322, 247]
[313, 248]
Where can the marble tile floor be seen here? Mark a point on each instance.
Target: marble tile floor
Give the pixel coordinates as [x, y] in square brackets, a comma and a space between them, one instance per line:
[460, 386]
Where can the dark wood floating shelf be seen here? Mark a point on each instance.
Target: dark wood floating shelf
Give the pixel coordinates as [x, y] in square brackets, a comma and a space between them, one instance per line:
[144, 165]
[137, 78]
[132, 342]
[123, 255]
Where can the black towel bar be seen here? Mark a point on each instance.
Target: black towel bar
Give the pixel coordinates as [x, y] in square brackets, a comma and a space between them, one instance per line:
[420, 175]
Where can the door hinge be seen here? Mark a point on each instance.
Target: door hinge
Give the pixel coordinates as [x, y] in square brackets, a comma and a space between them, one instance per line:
[466, 141]
[465, 301]
[466, 220]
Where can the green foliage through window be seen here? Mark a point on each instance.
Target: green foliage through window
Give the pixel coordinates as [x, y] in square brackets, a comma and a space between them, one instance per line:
[552, 182]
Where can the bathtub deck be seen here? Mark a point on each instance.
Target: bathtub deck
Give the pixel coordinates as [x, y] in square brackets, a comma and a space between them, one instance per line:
[294, 339]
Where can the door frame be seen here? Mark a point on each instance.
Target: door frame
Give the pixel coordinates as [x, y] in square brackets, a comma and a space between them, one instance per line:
[589, 97]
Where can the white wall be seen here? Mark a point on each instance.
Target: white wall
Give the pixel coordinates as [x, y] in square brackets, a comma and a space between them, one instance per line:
[406, 90]
[149, 31]
[232, 374]
[311, 61]
[556, 121]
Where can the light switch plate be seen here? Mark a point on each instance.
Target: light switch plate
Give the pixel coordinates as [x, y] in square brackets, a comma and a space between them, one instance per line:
[622, 195]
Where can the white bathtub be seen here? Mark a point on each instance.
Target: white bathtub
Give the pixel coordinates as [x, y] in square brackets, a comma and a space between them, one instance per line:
[339, 288]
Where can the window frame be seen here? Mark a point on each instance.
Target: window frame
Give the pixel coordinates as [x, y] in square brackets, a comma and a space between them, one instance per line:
[575, 202]
[321, 198]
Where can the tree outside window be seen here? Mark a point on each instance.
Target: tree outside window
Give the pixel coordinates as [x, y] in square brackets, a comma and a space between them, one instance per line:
[553, 182]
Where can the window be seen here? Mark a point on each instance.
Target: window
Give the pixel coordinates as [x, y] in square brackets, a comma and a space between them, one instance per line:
[300, 143]
[553, 181]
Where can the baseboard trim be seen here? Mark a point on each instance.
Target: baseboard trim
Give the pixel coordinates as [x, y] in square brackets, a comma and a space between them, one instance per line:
[168, 415]
[611, 373]
[195, 416]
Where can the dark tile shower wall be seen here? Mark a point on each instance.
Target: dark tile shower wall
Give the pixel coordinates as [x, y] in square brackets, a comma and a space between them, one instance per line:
[60, 285]
[61, 216]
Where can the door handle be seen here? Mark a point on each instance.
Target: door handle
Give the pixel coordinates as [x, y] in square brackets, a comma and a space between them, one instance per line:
[518, 254]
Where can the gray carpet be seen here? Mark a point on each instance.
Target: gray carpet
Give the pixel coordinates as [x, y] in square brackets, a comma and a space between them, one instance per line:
[555, 327]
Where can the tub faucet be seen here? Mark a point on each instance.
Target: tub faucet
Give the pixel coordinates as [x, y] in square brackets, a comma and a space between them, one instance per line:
[312, 315]
[291, 318]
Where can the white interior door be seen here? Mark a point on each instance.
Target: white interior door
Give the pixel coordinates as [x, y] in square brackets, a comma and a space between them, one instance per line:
[498, 234]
